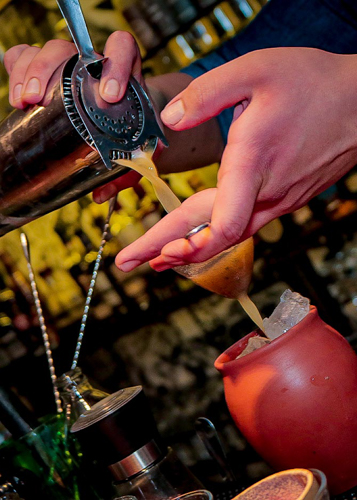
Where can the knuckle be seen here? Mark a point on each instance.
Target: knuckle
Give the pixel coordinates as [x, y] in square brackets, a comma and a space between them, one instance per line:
[123, 37]
[260, 60]
[202, 91]
[186, 210]
[191, 217]
[38, 68]
[198, 90]
[59, 44]
[232, 231]
[52, 44]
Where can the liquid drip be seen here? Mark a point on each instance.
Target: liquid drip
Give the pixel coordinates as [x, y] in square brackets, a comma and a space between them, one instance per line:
[145, 167]
[252, 311]
[227, 273]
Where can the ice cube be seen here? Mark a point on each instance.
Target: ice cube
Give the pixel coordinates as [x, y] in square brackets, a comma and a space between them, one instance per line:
[254, 343]
[288, 313]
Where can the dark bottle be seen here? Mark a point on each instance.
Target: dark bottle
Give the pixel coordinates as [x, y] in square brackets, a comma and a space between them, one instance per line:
[40, 462]
[246, 9]
[184, 10]
[147, 35]
[30, 463]
[160, 17]
[78, 395]
[121, 434]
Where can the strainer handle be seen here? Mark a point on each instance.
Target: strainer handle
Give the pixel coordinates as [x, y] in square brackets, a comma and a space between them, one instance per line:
[73, 15]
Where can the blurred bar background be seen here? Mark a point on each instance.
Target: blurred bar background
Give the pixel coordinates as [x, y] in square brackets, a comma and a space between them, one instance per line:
[158, 329]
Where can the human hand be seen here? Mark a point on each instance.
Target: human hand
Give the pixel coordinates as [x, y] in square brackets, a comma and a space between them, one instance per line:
[294, 133]
[31, 69]
[33, 73]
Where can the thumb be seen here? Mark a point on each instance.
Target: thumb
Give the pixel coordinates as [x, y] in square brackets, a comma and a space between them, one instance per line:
[209, 94]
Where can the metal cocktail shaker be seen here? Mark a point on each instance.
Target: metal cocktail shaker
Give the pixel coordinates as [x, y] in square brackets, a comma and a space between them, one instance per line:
[45, 163]
[50, 156]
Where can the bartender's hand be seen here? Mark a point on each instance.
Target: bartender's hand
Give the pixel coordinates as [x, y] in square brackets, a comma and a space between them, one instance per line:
[33, 71]
[294, 133]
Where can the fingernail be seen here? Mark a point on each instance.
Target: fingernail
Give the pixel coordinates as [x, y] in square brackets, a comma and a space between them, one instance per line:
[173, 113]
[112, 88]
[33, 86]
[107, 193]
[17, 92]
[129, 265]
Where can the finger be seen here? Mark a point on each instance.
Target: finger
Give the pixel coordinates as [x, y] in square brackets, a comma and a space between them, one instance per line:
[17, 75]
[183, 251]
[103, 193]
[204, 99]
[179, 252]
[32, 70]
[43, 65]
[12, 55]
[238, 188]
[261, 217]
[194, 211]
[123, 60]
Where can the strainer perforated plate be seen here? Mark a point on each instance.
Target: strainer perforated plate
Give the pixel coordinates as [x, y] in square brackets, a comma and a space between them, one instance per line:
[114, 130]
[124, 128]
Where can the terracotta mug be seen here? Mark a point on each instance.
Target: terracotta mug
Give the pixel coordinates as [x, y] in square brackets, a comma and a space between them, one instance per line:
[295, 400]
[293, 484]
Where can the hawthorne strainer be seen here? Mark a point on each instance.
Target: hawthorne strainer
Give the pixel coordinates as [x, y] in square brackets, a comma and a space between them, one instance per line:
[116, 130]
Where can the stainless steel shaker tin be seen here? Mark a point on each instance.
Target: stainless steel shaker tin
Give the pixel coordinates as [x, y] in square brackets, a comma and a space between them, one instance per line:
[44, 164]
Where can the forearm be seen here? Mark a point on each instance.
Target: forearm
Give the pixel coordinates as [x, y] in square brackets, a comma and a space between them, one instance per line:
[189, 149]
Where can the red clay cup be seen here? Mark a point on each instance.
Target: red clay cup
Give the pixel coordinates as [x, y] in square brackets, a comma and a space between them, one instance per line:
[295, 400]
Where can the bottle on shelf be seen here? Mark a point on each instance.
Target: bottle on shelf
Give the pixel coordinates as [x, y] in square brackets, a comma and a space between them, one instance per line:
[225, 20]
[141, 27]
[245, 9]
[183, 48]
[205, 35]
[184, 10]
[160, 17]
[161, 62]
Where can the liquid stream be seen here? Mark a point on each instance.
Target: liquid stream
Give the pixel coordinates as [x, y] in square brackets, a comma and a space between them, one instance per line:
[227, 273]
